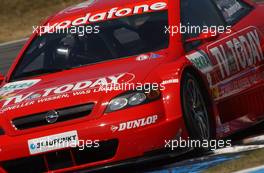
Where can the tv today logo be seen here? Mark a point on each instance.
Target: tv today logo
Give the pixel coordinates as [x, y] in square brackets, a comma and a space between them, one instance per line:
[69, 88]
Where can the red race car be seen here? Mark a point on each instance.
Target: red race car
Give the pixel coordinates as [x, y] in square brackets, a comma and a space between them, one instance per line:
[106, 82]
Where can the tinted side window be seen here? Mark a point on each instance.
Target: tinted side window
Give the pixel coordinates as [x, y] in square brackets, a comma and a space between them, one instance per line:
[232, 10]
[200, 13]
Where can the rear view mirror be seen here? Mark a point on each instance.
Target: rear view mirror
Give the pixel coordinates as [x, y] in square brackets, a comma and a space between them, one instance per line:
[2, 78]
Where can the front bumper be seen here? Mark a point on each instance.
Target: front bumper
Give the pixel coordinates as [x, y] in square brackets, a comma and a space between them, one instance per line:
[128, 143]
[146, 159]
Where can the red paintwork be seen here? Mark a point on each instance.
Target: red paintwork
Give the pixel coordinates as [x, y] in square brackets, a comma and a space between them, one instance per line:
[228, 111]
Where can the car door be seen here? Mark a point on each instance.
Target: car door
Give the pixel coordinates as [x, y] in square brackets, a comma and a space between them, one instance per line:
[245, 83]
[229, 61]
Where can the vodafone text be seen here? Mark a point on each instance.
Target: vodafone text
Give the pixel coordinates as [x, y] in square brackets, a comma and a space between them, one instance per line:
[107, 15]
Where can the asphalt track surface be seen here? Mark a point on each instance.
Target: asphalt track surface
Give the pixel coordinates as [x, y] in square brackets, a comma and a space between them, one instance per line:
[8, 53]
[191, 162]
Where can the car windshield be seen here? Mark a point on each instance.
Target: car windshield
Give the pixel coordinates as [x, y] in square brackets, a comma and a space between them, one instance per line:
[118, 38]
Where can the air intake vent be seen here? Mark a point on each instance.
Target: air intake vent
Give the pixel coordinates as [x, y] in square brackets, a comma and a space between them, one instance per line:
[52, 117]
[61, 159]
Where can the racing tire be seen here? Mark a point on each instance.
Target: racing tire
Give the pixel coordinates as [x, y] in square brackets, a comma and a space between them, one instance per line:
[195, 109]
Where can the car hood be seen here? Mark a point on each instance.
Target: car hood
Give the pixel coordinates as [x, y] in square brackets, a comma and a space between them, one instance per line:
[74, 87]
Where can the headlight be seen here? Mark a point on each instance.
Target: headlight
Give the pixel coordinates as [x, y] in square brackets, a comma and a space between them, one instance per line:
[137, 99]
[130, 99]
[118, 103]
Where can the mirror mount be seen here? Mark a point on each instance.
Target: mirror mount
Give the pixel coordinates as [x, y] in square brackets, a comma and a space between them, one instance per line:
[203, 37]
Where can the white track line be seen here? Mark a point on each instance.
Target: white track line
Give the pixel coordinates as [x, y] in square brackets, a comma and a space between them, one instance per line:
[237, 149]
[248, 144]
[256, 139]
[13, 42]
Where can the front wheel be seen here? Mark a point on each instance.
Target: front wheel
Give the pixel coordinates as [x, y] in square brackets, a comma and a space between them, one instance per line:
[195, 109]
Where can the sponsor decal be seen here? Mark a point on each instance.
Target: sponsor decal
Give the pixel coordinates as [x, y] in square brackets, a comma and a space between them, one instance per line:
[34, 96]
[170, 81]
[233, 9]
[215, 92]
[114, 128]
[154, 56]
[239, 83]
[238, 52]
[113, 13]
[64, 91]
[201, 61]
[6, 96]
[228, 7]
[142, 57]
[135, 124]
[237, 62]
[15, 86]
[53, 142]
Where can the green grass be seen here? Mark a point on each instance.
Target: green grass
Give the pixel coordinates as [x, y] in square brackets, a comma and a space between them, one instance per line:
[248, 160]
[19, 16]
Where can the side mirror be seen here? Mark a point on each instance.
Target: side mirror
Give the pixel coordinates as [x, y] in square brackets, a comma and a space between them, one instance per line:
[204, 37]
[2, 78]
